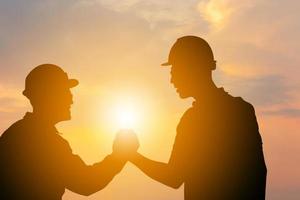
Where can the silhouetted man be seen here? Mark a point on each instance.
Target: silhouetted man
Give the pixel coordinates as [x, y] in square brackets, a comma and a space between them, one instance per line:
[35, 161]
[217, 152]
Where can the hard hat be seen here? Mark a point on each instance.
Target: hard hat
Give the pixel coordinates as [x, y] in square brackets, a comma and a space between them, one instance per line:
[47, 77]
[191, 49]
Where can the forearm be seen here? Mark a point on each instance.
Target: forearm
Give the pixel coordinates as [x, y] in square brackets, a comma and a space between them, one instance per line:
[94, 178]
[161, 172]
[108, 168]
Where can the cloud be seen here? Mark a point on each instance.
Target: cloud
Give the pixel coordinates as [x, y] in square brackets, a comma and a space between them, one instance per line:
[100, 30]
[162, 16]
[287, 112]
[256, 38]
[12, 105]
[261, 91]
[256, 46]
[11, 99]
[119, 6]
[59, 31]
[8, 102]
[218, 12]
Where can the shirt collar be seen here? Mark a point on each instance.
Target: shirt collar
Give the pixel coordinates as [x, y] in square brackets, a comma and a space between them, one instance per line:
[39, 122]
[210, 99]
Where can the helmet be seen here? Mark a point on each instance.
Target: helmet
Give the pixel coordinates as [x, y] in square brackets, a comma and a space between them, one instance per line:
[191, 49]
[47, 77]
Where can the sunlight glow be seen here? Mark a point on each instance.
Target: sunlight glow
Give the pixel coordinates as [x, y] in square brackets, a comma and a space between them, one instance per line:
[126, 117]
[125, 109]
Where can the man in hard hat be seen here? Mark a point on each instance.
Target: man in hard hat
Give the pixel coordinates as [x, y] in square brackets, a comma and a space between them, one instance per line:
[217, 152]
[35, 161]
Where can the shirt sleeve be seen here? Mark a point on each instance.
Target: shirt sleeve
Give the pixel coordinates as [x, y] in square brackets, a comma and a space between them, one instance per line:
[253, 164]
[87, 179]
[178, 155]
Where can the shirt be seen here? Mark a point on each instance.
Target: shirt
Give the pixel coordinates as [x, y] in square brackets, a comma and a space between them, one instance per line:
[218, 150]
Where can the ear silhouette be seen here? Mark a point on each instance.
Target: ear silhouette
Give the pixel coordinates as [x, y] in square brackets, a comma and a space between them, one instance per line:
[214, 65]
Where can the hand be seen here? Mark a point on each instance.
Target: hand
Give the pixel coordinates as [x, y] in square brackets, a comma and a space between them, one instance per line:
[126, 143]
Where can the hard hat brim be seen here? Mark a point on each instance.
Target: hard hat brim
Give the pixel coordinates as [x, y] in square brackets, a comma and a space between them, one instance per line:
[166, 64]
[72, 83]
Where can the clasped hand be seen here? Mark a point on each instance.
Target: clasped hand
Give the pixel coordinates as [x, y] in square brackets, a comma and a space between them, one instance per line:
[125, 144]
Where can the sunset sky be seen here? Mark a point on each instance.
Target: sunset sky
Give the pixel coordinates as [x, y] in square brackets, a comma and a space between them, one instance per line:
[115, 48]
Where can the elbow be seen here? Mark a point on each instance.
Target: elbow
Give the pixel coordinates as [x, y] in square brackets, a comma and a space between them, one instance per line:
[172, 179]
[86, 193]
[89, 189]
[175, 183]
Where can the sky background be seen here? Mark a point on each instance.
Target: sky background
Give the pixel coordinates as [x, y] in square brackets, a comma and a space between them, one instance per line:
[115, 49]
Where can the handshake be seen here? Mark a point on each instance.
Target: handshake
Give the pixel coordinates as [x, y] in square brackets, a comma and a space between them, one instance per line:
[125, 144]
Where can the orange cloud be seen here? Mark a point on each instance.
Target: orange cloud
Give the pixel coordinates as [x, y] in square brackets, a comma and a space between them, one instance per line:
[218, 12]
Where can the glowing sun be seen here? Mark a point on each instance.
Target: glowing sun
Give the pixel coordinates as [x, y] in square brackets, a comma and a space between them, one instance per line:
[126, 116]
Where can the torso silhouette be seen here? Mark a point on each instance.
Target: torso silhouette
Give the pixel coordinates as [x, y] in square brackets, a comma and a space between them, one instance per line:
[218, 150]
[37, 163]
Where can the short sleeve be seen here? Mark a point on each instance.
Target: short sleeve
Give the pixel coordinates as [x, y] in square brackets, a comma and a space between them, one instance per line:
[178, 155]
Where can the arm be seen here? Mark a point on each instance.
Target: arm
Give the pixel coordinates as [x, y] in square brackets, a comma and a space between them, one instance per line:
[171, 173]
[86, 180]
[255, 164]
[164, 173]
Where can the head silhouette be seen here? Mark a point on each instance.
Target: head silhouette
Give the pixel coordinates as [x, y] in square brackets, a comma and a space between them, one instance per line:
[47, 87]
[192, 63]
